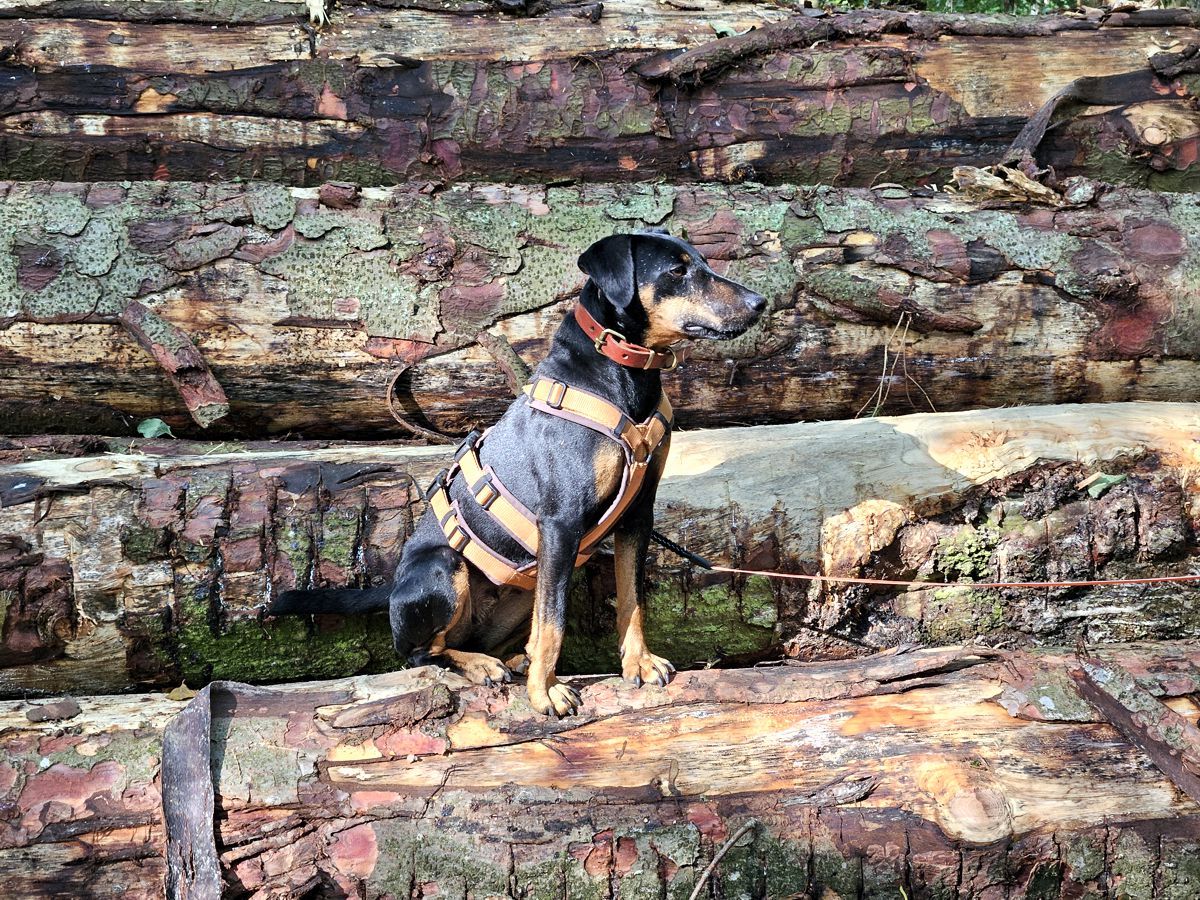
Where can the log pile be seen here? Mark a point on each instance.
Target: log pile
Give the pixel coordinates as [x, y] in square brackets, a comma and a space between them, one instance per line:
[952, 773]
[147, 563]
[310, 250]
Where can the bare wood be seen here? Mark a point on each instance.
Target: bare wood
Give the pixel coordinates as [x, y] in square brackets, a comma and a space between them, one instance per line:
[150, 563]
[308, 304]
[112, 89]
[637, 793]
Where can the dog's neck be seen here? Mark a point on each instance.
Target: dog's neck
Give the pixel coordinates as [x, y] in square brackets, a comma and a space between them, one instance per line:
[573, 358]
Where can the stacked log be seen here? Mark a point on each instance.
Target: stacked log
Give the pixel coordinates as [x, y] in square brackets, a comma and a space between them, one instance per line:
[151, 562]
[250, 311]
[948, 773]
[572, 89]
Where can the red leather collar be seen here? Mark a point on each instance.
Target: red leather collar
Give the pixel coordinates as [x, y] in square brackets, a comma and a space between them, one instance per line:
[613, 345]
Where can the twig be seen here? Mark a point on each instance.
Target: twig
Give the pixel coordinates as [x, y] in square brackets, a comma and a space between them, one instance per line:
[884, 376]
[712, 866]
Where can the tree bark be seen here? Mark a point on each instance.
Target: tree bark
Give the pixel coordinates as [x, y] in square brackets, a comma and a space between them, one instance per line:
[300, 311]
[942, 773]
[111, 89]
[150, 563]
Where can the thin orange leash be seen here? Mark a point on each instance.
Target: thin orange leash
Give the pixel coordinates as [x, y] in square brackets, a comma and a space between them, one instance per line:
[1162, 579]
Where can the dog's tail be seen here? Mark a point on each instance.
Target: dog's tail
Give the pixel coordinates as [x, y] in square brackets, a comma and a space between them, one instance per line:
[343, 601]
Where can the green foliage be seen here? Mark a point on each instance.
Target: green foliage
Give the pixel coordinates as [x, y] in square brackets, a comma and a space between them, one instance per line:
[154, 428]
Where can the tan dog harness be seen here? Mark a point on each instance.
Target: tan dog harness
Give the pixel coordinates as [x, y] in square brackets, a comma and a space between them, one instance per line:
[638, 441]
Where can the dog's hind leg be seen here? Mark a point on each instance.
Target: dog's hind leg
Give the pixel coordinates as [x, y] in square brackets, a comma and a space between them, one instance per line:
[478, 668]
[437, 589]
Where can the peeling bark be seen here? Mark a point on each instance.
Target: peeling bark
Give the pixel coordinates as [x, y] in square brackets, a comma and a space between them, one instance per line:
[307, 304]
[148, 564]
[392, 91]
[861, 778]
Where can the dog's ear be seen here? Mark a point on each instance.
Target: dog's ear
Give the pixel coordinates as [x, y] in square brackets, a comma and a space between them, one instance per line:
[609, 263]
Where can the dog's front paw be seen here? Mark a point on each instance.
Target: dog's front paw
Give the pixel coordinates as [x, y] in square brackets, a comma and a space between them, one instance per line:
[554, 699]
[643, 667]
[478, 668]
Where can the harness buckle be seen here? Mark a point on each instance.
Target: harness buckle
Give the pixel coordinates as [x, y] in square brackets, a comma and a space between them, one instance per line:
[457, 538]
[604, 335]
[556, 395]
[438, 483]
[467, 445]
[485, 492]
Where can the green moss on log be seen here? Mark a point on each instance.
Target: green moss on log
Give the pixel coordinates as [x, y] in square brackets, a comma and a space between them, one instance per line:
[287, 649]
[686, 626]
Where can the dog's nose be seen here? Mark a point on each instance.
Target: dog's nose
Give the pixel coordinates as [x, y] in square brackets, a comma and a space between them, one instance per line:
[756, 303]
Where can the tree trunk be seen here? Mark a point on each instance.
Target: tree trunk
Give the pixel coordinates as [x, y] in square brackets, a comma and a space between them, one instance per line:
[266, 311]
[397, 90]
[148, 564]
[942, 773]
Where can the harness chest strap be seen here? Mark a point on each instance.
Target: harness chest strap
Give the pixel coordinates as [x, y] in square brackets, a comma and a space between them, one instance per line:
[639, 443]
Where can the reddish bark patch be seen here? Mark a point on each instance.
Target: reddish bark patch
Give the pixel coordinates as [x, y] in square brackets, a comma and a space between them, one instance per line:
[707, 821]
[62, 792]
[361, 801]
[256, 253]
[626, 856]
[37, 266]
[398, 349]
[340, 195]
[949, 253]
[1155, 240]
[355, 851]
[597, 858]
[406, 743]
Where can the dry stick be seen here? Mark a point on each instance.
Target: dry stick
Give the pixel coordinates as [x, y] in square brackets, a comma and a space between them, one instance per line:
[905, 318]
[883, 377]
[712, 866]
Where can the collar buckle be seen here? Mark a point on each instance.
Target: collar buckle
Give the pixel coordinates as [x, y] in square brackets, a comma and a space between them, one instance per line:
[604, 335]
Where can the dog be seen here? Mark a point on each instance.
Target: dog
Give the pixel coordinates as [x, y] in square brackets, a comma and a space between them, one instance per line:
[577, 458]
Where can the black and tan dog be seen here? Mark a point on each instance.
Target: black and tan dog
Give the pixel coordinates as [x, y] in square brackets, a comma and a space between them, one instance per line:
[577, 458]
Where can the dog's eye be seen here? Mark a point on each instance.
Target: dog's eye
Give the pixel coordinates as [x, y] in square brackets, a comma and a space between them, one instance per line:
[679, 270]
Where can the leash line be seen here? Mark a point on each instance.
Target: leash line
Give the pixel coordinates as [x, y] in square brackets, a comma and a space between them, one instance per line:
[703, 563]
[1162, 579]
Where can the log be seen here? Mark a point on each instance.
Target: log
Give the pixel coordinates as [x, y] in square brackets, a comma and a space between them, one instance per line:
[151, 562]
[396, 90]
[940, 773]
[311, 308]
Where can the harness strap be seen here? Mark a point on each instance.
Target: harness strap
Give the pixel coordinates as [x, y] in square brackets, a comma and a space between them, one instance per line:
[491, 494]
[586, 409]
[460, 537]
[639, 443]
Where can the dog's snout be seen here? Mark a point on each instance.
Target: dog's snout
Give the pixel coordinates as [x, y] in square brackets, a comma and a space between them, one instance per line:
[756, 303]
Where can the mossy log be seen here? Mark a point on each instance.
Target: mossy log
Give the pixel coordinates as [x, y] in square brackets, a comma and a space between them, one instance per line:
[937, 773]
[263, 310]
[391, 91]
[149, 564]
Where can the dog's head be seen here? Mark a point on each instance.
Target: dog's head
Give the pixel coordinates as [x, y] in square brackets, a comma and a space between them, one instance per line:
[663, 290]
